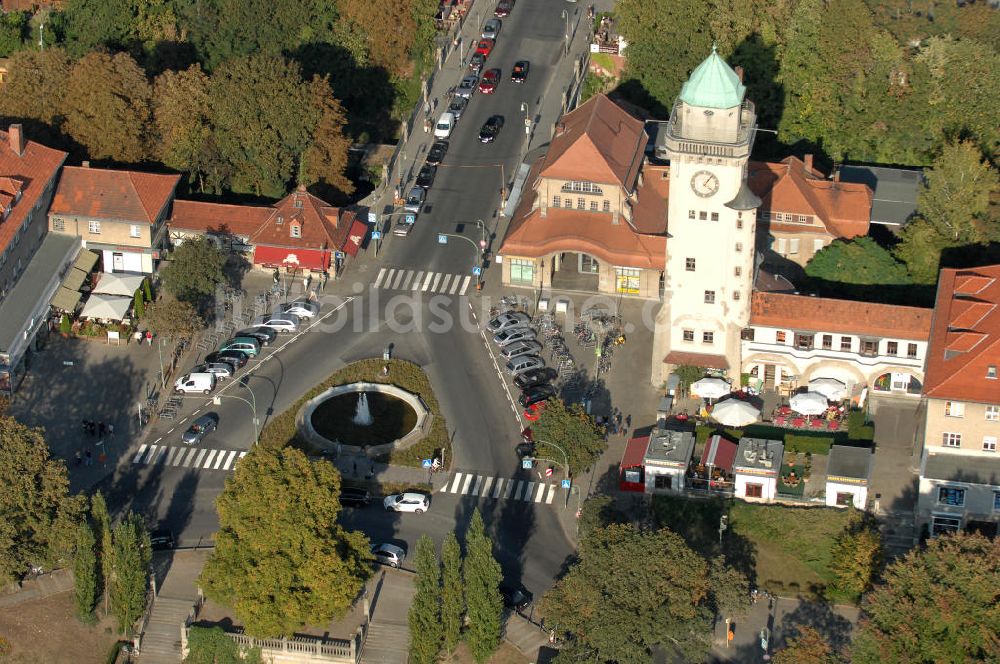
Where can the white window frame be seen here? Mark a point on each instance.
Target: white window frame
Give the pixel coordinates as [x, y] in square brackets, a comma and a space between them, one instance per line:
[94, 226]
[708, 337]
[992, 413]
[989, 443]
[958, 491]
[954, 409]
[134, 231]
[951, 439]
[710, 297]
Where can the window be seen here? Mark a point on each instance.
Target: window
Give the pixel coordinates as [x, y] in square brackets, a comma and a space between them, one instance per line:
[754, 490]
[628, 280]
[989, 443]
[715, 216]
[568, 203]
[991, 371]
[707, 337]
[58, 224]
[951, 495]
[911, 351]
[793, 246]
[739, 222]
[94, 227]
[556, 201]
[702, 216]
[945, 524]
[581, 204]
[522, 270]
[954, 409]
[891, 348]
[764, 214]
[690, 214]
[688, 335]
[747, 334]
[739, 247]
[133, 230]
[804, 341]
[295, 230]
[607, 206]
[996, 501]
[827, 341]
[689, 264]
[593, 206]
[869, 347]
[710, 297]
[845, 344]
[818, 245]
[662, 482]
[802, 219]
[780, 246]
[737, 271]
[993, 413]
[779, 337]
[949, 439]
[582, 187]
[736, 296]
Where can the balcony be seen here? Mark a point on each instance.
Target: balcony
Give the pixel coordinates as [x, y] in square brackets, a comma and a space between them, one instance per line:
[740, 147]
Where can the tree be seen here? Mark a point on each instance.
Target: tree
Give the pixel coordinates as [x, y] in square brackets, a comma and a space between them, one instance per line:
[36, 85]
[132, 554]
[573, 431]
[610, 616]
[281, 560]
[13, 27]
[920, 248]
[195, 269]
[105, 545]
[181, 123]
[856, 557]
[91, 24]
[807, 647]
[388, 28]
[107, 106]
[173, 319]
[38, 518]
[139, 304]
[861, 261]
[482, 576]
[955, 197]
[426, 631]
[85, 572]
[935, 605]
[730, 590]
[210, 645]
[325, 159]
[689, 374]
[452, 593]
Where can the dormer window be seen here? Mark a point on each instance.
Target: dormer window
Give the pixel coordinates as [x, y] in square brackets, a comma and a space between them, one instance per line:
[281, 220]
[295, 229]
[298, 203]
[991, 371]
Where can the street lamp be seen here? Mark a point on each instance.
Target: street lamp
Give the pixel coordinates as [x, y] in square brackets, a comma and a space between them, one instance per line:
[244, 381]
[565, 16]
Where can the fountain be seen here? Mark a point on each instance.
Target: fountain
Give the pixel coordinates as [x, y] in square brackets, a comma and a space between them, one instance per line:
[362, 414]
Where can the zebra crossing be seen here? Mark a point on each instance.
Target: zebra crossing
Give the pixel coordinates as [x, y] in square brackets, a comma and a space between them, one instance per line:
[420, 281]
[501, 488]
[187, 457]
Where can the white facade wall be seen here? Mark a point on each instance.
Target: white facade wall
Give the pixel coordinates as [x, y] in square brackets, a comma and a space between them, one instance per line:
[768, 493]
[676, 479]
[860, 494]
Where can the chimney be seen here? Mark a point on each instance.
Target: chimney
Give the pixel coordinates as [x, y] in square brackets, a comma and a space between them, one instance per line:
[808, 159]
[17, 140]
[85, 164]
[560, 128]
[836, 175]
[739, 72]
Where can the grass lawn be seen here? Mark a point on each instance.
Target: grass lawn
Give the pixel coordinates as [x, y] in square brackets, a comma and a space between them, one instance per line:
[47, 630]
[281, 431]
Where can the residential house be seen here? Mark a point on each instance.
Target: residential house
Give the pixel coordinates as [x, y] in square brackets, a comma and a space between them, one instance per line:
[756, 467]
[119, 214]
[960, 420]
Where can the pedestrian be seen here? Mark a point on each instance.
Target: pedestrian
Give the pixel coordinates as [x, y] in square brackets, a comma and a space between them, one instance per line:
[90, 458]
[427, 108]
[149, 337]
[618, 420]
[85, 424]
[628, 424]
[371, 470]
[111, 429]
[435, 105]
[79, 458]
[102, 428]
[326, 277]
[355, 467]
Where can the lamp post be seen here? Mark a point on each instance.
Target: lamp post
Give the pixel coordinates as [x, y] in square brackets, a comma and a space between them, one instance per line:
[565, 16]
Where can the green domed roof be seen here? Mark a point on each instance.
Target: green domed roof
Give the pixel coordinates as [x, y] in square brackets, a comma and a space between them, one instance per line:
[713, 84]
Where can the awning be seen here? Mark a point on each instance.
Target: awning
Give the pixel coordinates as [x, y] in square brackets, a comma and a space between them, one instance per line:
[66, 299]
[111, 307]
[704, 360]
[303, 259]
[74, 279]
[119, 283]
[719, 452]
[85, 260]
[635, 452]
[355, 237]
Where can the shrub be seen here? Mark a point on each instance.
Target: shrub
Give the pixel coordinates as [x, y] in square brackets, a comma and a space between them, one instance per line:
[140, 306]
[65, 326]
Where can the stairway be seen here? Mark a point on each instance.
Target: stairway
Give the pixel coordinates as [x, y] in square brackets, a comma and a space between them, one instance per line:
[525, 635]
[386, 643]
[161, 641]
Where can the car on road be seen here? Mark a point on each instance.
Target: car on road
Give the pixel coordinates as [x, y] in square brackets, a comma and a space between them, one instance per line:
[519, 72]
[524, 450]
[491, 28]
[161, 540]
[476, 62]
[200, 428]
[515, 597]
[264, 335]
[437, 152]
[521, 348]
[507, 321]
[467, 86]
[513, 334]
[354, 497]
[485, 46]
[532, 378]
[402, 228]
[415, 199]
[503, 8]
[248, 345]
[458, 106]
[444, 126]
[236, 358]
[281, 323]
[533, 395]
[220, 369]
[195, 382]
[490, 81]
[301, 308]
[520, 365]
[425, 178]
[491, 129]
[388, 554]
[406, 502]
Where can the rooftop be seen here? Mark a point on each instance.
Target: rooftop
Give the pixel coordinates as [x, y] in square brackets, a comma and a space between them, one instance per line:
[960, 468]
[758, 456]
[713, 84]
[668, 447]
[99, 193]
[849, 462]
[896, 189]
[23, 178]
[202, 217]
[823, 314]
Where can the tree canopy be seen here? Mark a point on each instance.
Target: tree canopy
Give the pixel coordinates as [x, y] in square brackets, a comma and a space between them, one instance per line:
[572, 432]
[425, 610]
[806, 646]
[132, 555]
[850, 268]
[172, 319]
[281, 560]
[194, 270]
[482, 576]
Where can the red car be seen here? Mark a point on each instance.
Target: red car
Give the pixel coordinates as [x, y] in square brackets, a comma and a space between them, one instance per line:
[485, 46]
[491, 79]
[503, 8]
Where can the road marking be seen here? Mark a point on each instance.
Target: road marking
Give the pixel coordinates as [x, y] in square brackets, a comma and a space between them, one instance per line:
[138, 455]
[540, 493]
[219, 459]
[158, 440]
[454, 485]
[479, 484]
[160, 454]
[427, 281]
[465, 285]
[527, 492]
[399, 278]
[182, 421]
[190, 457]
[552, 494]
[242, 454]
[496, 491]
[486, 487]
[465, 487]
[437, 280]
[208, 461]
[229, 460]
[378, 280]
[197, 461]
[406, 280]
[173, 454]
[416, 282]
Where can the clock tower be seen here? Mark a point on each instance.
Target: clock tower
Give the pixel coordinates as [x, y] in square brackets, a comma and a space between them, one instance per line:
[711, 223]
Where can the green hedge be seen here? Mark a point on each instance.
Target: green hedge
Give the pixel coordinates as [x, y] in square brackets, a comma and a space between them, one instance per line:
[794, 442]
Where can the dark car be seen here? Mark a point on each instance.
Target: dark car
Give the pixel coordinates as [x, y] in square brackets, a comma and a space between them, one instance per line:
[536, 394]
[237, 358]
[525, 449]
[437, 152]
[515, 597]
[491, 128]
[161, 540]
[477, 62]
[519, 72]
[354, 497]
[458, 106]
[503, 8]
[264, 335]
[425, 178]
[220, 369]
[533, 378]
[200, 428]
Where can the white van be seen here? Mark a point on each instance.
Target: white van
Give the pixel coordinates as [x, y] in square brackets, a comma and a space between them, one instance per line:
[195, 382]
[444, 126]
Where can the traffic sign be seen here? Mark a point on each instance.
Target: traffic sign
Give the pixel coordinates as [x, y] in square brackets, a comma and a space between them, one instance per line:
[442, 238]
[410, 218]
[372, 218]
[376, 235]
[339, 254]
[548, 471]
[527, 463]
[567, 484]
[426, 463]
[477, 270]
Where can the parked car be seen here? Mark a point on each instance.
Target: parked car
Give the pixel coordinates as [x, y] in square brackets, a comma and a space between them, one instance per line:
[520, 365]
[388, 554]
[513, 334]
[467, 86]
[248, 345]
[515, 597]
[524, 450]
[476, 62]
[161, 540]
[195, 382]
[402, 228]
[301, 308]
[521, 348]
[406, 502]
[491, 28]
[532, 378]
[507, 321]
[503, 8]
[491, 129]
[415, 199]
[458, 106]
[533, 395]
[281, 323]
[354, 497]
[519, 72]
[444, 125]
[485, 46]
[200, 428]
[490, 81]
[437, 152]
[264, 335]
[236, 358]
[425, 178]
[220, 369]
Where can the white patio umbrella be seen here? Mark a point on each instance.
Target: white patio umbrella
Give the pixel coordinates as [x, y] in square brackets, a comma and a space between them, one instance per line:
[710, 388]
[119, 283]
[831, 388]
[110, 307]
[735, 413]
[808, 403]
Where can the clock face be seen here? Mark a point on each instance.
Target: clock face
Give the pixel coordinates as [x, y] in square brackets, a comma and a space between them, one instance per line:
[704, 184]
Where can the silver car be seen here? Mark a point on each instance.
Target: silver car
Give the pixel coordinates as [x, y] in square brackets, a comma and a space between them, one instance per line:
[389, 554]
[521, 348]
[513, 334]
[415, 200]
[200, 428]
[283, 323]
[301, 308]
[524, 364]
[220, 369]
[491, 29]
[457, 106]
[468, 86]
[507, 321]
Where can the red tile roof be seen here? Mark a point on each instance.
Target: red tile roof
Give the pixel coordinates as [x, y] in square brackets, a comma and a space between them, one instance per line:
[218, 217]
[26, 174]
[965, 336]
[821, 314]
[597, 142]
[99, 193]
[649, 214]
[794, 186]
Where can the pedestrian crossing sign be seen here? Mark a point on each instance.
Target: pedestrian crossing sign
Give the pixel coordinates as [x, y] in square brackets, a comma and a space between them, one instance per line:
[376, 235]
[567, 484]
[477, 270]
[410, 218]
[426, 463]
[527, 463]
